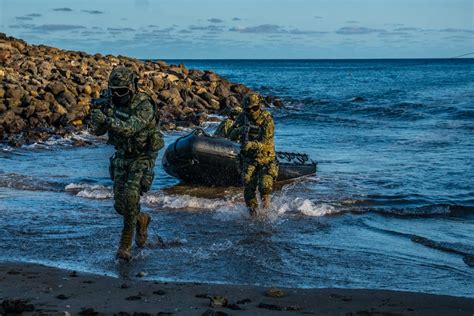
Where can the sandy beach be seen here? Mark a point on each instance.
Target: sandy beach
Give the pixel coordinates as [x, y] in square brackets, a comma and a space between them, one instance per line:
[50, 291]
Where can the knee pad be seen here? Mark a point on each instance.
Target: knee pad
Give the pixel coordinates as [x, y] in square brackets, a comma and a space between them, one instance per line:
[266, 184]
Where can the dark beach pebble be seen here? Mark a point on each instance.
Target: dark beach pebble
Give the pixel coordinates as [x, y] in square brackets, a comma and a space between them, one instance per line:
[244, 301]
[159, 292]
[272, 307]
[218, 301]
[13, 272]
[210, 312]
[341, 297]
[234, 307]
[124, 286]
[133, 298]
[62, 297]
[88, 312]
[203, 295]
[16, 306]
[275, 292]
[73, 274]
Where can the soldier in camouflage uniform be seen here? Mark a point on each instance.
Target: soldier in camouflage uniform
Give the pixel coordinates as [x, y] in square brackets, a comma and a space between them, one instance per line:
[254, 129]
[224, 127]
[133, 129]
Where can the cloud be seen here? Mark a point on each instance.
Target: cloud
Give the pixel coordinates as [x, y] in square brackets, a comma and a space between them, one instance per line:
[120, 29]
[215, 20]
[22, 26]
[151, 36]
[93, 11]
[28, 17]
[209, 28]
[272, 29]
[304, 32]
[357, 30]
[451, 30]
[23, 18]
[407, 29]
[63, 9]
[397, 33]
[236, 19]
[88, 33]
[457, 38]
[142, 3]
[263, 28]
[57, 27]
[318, 17]
[352, 22]
[184, 31]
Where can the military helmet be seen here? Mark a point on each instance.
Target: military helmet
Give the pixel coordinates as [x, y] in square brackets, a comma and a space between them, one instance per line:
[122, 77]
[252, 101]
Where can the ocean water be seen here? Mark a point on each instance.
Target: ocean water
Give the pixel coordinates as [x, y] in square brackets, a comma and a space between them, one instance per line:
[391, 207]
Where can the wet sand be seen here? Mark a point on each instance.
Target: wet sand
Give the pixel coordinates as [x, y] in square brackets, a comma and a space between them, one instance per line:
[52, 291]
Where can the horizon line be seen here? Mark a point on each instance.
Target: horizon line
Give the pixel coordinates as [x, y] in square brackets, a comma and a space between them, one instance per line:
[313, 59]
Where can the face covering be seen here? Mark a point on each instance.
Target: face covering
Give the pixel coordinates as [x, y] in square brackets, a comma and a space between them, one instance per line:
[121, 96]
[254, 114]
[122, 100]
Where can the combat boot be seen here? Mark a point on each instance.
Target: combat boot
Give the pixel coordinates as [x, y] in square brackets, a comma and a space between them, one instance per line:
[265, 201]
[143, 220]
[125, 248]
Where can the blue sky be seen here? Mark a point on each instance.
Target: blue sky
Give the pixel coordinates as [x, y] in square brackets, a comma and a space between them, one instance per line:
[193, 29]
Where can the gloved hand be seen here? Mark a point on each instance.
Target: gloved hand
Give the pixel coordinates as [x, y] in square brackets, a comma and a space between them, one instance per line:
[98, 117]
[250, 146]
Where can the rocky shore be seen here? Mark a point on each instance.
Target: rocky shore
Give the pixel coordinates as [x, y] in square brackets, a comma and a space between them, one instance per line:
[47, 91]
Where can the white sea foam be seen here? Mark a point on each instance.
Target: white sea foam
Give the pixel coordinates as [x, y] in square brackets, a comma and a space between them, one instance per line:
[303, 206]
[68, 140]
[184, 201]
[231, 212]
[89, 191]
[228, 208]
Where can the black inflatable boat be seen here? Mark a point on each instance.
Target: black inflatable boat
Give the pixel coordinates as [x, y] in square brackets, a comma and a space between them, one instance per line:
[200, 158]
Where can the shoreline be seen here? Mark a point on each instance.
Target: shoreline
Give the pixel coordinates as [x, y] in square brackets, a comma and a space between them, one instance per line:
[53, 291]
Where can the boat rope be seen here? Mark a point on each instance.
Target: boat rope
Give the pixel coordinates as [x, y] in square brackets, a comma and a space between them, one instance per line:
[297, 158]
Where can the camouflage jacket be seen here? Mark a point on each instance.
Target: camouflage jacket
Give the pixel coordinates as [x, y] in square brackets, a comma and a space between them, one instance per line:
[133, 129]
[224, 128]
[257, 138]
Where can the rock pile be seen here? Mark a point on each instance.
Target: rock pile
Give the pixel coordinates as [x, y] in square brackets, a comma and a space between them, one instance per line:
[47, 91]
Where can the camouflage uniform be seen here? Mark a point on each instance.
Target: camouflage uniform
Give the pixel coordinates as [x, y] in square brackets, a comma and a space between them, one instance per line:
[225, 127]
[259, 169]
[133, 129]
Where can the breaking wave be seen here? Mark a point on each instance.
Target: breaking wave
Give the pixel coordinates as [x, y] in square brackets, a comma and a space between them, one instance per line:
[89, 191]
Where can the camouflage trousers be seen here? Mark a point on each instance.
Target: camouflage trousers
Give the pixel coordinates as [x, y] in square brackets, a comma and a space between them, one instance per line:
[132, 178]
[259, 176]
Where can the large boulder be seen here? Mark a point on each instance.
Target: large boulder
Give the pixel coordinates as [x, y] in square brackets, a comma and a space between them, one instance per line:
[66, 99]
[56, 87]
